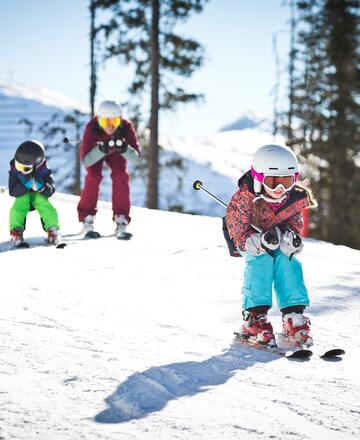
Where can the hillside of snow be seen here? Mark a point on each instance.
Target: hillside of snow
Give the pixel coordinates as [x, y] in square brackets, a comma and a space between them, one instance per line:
[218, 160]
[133, 340]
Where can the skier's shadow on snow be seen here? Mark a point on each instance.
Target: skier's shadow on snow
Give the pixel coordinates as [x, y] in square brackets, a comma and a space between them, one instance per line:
[144, 393]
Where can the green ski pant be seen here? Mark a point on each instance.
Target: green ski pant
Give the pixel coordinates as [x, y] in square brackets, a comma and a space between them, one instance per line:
[25, 203]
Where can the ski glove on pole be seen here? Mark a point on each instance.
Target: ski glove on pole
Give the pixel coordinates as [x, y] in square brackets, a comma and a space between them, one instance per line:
[103, 147]
[261, 242]
[291, 243]
[119, 145]
[38, 185]
[271, 239]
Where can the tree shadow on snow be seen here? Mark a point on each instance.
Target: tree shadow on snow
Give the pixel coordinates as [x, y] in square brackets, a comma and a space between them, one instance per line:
[149, 391]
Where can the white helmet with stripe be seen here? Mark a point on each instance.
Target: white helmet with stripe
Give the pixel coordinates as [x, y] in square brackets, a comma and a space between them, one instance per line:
[273, 160]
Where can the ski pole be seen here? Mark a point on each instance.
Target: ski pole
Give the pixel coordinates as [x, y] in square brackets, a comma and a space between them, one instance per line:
[197, 185]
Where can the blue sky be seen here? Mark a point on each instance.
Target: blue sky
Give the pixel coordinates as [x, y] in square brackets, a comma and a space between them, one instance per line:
[44, 43]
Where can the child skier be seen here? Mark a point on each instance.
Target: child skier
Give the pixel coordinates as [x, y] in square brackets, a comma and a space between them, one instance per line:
[270, 200]
[31, 184]
[105, 140]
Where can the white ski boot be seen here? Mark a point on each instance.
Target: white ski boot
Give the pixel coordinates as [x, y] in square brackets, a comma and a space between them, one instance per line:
[53, 236]
[121, 226]
[88, 224]
[17, 238]
[296, 326]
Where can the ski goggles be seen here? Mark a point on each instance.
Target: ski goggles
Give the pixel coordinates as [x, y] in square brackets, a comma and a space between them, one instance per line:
[106, 122]
[24, 169]
[273, 182]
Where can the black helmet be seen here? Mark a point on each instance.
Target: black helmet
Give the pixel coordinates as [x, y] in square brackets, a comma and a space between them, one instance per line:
[30, 153]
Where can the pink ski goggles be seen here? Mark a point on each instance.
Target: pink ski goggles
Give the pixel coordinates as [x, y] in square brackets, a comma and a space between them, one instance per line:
[273, 182]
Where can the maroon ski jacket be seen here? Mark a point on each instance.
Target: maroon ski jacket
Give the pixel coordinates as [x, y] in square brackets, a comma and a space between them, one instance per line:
[94, 133]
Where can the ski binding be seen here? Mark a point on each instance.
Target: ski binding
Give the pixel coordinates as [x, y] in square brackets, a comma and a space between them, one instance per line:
[299, 353]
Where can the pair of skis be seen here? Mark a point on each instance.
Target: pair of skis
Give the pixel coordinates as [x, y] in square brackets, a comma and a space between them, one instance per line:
[26, 245]
[62, 244]
[298, 352]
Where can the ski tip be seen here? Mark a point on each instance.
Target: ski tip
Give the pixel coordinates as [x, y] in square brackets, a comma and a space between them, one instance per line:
[124, 236]
[299, 354]
[92, 234]
[61, 245]
[333, 353]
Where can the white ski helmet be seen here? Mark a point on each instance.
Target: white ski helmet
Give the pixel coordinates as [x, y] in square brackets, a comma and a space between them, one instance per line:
[273, 160]
[109, 109]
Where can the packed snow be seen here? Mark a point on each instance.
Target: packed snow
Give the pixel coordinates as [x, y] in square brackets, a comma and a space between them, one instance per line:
[108, 339]
[218, 159]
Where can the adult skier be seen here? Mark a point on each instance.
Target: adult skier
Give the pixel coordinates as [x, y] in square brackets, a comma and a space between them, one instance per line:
[107, 136]
[30, 182]
[270, 197]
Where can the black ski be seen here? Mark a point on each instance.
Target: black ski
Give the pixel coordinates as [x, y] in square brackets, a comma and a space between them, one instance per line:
[60, 245]
[92, 234]
[328, 354]
[333, 353]
[22, 245]
[124, 236]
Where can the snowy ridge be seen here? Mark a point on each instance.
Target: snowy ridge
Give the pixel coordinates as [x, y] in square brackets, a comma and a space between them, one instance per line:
[44, 96]
[218, 159]
[133, 340]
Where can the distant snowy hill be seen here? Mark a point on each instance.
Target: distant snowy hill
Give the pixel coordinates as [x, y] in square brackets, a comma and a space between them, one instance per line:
[249, 120]
[109, 340]
[218, 160]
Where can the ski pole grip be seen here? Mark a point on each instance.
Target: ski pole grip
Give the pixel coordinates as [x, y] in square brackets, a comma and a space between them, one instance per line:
[197, 185]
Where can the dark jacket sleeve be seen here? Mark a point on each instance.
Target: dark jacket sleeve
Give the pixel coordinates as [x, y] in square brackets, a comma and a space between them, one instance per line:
[16, 188]
[43, 174]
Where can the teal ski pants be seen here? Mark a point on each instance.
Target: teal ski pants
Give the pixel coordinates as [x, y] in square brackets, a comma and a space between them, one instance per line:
[25, 203]
[263, 272]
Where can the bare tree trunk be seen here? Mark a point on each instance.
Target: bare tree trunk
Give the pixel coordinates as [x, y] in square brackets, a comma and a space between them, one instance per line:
[92, 58]
[291, 71]
[77, 177]
[153, 156]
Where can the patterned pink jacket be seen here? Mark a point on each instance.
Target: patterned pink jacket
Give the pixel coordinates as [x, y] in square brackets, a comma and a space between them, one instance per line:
[241, 212]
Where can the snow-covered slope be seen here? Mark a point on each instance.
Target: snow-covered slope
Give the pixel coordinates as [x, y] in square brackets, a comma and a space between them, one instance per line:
[23, 111]
[132, 340]
[218, 159]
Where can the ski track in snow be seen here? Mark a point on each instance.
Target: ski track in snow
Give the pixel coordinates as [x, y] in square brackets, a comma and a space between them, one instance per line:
[133, 340]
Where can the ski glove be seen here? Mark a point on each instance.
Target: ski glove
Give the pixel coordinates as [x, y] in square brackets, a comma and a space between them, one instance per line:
[119, 145]
[271, 239]
[37, 185]
[103, 147]
[253, 245]
[291, 243]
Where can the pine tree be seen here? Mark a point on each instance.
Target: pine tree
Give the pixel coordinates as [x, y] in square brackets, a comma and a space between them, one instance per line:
[93, 62]
[326, 109]
[141, 33]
